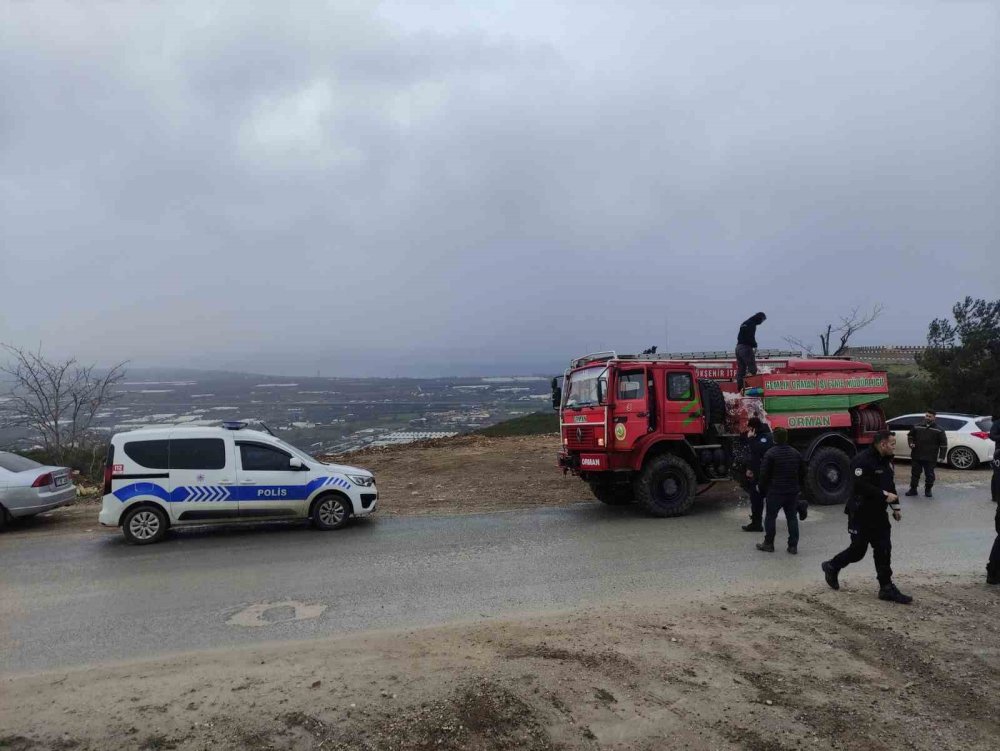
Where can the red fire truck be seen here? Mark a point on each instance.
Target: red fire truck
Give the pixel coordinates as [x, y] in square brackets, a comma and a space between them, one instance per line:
[651, 428]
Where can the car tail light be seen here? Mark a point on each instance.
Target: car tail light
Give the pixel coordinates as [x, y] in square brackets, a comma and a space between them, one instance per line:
[981, 434]
[42, 481]
[107, 479]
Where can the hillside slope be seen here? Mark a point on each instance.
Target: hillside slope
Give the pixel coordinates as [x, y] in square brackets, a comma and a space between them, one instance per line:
[469, 474]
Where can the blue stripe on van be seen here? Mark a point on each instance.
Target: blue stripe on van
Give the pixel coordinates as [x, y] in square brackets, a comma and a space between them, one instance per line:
[216, 493]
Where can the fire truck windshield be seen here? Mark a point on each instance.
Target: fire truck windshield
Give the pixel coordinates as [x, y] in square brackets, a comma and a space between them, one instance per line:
[583, 387]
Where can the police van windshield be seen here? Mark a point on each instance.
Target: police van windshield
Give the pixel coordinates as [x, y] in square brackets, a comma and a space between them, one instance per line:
[583, 387]
[297, 452]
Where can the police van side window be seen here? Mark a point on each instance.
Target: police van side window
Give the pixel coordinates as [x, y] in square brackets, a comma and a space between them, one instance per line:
[254, 456]
[197, 453]
[148, 454]
[950, 423]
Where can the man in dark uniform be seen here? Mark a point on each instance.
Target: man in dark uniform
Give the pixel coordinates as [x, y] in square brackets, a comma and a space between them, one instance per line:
[926, 441]
[995, 437]
[781, 476]
[759, 441]
[746, 346]
[993, 567]
[873, 493]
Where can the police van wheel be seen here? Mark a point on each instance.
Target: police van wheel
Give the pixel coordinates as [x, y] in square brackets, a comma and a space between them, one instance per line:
[666, 486]
[144, 525]
[3, 517]
[331, 512]
[828, 477]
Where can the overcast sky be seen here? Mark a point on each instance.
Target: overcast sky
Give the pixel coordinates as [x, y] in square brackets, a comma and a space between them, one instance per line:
[430, 188]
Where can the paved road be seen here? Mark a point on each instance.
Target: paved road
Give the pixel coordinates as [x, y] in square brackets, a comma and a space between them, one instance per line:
[79, 598]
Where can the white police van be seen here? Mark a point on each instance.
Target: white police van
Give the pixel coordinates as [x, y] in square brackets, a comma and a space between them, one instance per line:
[172, 477]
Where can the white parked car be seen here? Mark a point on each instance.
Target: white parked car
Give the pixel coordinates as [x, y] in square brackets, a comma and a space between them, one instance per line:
[28, 488]
[173, 477]
[969, 443]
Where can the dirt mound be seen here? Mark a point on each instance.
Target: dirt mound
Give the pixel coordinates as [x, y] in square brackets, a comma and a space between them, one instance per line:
[467, 474]
[771, 672]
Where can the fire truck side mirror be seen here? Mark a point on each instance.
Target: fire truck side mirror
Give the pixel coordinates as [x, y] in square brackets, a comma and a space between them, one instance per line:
[602, 389]
[556, 394]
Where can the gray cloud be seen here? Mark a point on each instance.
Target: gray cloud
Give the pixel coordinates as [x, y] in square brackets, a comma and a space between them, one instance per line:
[414, 188]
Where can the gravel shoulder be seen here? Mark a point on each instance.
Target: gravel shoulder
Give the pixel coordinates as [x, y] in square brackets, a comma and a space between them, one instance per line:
[461, 475]
[773, 672]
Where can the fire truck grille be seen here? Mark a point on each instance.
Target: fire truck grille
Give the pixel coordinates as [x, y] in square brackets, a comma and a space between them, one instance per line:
[582, 437]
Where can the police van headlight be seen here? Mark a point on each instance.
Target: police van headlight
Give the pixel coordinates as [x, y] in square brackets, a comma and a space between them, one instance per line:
[365, 481]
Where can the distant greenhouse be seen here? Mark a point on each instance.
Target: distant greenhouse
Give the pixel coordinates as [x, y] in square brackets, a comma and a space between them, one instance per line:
[402, 437]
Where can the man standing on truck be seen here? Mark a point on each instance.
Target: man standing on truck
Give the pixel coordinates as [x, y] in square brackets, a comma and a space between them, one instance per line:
[926, 440]
[759, 441]
[873, 493]
[746, 347]
[781, 476]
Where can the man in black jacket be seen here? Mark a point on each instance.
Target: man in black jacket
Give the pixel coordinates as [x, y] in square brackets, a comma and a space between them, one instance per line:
[873, 493]
[759, 441]
[746, 345]
[995, 437]
[993, 567]
[926, 441]
[782, 473]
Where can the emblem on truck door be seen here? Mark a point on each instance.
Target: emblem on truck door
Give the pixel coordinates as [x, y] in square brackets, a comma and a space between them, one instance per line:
[620, 431]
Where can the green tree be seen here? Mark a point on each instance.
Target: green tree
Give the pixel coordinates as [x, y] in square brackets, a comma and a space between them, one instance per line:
[963, 358]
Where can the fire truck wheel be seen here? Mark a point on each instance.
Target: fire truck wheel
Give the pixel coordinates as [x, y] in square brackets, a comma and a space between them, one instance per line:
[613, 495]
[828, 478]
[666, 486]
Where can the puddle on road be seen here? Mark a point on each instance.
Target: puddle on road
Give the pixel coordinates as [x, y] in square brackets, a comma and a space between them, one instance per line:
[271, 613]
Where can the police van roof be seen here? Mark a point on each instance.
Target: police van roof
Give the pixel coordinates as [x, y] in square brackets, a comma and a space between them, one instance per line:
[192, 431]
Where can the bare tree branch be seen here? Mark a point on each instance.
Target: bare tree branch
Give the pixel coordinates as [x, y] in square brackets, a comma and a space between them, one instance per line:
[57, 400]
[799, 344]
[852, 324]
[848, 327]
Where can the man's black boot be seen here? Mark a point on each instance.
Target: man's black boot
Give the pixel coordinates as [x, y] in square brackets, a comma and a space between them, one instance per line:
[803, 510]
[765, 547]
[753, 526]
[911, 492]
[993, 574]
[927, 493]
[890, 593]
[793, 549]
[830, 574]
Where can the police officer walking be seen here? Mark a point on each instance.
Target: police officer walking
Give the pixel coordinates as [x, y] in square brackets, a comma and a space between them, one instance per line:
[782, 473]
[873, 493]
[993, 567]
[760, 441]
[746, 346]
[926, 440]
